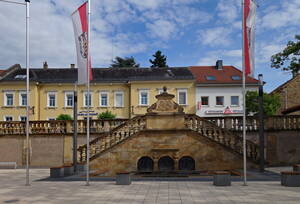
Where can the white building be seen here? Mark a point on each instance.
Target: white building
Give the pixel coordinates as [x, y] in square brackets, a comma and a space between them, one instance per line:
[219, 90]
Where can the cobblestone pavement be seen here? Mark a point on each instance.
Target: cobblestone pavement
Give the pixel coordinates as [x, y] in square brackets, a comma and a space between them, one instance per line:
[13, 190]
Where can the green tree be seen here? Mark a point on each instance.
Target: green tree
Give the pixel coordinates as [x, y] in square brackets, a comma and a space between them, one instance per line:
[64, 117]
[159, 60]
[271, 103]
[120, 62]
[106, 115]
[289, 58]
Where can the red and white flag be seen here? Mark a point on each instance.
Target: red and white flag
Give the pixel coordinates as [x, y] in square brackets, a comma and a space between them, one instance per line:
[249, 36]
[80, 24]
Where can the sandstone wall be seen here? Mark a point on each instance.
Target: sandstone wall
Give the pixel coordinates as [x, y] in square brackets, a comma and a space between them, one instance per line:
[156, 144]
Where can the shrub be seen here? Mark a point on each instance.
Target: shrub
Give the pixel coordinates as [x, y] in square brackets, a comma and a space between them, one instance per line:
[106, 115]
[64, 117]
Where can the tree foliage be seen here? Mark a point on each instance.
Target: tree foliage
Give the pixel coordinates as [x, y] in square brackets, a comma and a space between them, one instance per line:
[64, 117]
[159, 60]
[106, 115]
[120, 62]
[289, 58]
[271, 103]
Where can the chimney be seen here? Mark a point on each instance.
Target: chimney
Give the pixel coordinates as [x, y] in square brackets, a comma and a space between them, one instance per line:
[72, 66]
[45, 65]
[219, 65]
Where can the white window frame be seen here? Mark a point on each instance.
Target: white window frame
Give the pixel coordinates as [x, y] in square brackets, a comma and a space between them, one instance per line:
[100, 98]
[20, 98]
[4, 118]
[5, 98]
[238, 100]
[207, 101]
[160, 91]
[20, 117]
[115, 99]
[143, 91]
[66, 98]
[223, 101]
[183, 90]
[84, 102]
[48, 99]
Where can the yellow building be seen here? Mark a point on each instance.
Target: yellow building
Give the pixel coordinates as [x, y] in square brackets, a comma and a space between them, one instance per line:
[126, 92]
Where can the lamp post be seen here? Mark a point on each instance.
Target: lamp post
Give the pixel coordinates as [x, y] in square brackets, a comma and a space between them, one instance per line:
[27, 82]
[261, 124]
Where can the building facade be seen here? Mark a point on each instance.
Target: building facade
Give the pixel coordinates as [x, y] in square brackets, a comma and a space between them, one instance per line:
[219, 90]
[289, 96]
[126, 92]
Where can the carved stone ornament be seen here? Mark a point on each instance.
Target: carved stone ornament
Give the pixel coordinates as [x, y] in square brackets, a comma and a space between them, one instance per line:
[165, 104]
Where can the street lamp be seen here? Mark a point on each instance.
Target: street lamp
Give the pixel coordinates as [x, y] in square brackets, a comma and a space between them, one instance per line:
[261, 124]
[27, 82]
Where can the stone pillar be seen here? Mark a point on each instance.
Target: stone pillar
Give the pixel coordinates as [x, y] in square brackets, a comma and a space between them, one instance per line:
[68, 145]
[155, 165]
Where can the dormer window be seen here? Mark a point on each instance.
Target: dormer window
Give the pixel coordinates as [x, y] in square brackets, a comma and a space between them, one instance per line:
[235, 77]
[210, 78]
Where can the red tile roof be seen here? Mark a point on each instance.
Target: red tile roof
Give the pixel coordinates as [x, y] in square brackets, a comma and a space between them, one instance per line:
[2, 72]
[223, 76]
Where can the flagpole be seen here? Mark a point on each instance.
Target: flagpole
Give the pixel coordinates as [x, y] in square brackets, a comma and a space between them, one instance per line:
[89, 101]
[244, 102]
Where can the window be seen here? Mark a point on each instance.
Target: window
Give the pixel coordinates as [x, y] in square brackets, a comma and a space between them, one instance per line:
[235, 77]
[22, 118]
[51, 119]
[104, 99]
[87, 99]
[220, 100]
[119, 99]
[182, 96]
[8, 118]
[143, 98]
[210, 78]
[204, 101]
[234, 100]
[160, 91]
[23, 99]
[9, 99]
[69, 99]
[51, 99]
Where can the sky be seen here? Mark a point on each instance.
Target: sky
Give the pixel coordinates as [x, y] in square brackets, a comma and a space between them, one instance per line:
[188, 32]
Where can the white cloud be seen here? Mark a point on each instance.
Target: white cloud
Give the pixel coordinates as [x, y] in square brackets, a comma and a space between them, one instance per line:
[228, 10]
[286, 15]
[233, 53]
[218, 36]
[162, 29]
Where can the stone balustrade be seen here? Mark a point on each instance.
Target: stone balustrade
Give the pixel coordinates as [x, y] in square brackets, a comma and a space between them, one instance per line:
[58, 126]
[291, 122]
[115, 136]
[222, 136]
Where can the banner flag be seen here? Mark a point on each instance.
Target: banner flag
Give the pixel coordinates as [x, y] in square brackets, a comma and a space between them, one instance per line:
[80, 25]
[249, 36]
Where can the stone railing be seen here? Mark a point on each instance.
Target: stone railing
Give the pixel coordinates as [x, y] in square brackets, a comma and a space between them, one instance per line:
[115, 136]
[58, 126]
[222, 136]
[291, 122]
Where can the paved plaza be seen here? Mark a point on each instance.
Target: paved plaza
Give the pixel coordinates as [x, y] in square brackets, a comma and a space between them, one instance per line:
[13, 190]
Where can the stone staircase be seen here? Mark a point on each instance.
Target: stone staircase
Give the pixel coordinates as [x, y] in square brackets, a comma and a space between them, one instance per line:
[111, 138]
[226, 138]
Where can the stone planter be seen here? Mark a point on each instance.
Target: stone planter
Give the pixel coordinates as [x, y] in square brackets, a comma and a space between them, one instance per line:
[57, 172]
[222, 178]
[296, 167]
[291, 179]
[123, 178]
[68, 170]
